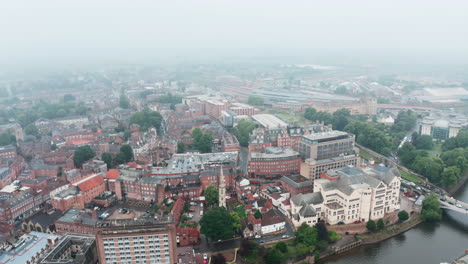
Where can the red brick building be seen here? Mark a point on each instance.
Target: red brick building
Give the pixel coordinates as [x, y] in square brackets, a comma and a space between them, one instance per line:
[187, 236]
[274, 162]
[76, 221]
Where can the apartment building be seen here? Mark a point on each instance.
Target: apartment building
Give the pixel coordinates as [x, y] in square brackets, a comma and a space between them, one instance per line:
[142, 240]
[348, 195]
[273, 162]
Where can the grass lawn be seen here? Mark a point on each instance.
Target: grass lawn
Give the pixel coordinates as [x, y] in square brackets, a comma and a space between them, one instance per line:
[410, 177]
[365, 155]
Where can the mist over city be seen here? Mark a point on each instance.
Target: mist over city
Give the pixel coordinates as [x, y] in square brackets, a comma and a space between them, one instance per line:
[263, 132]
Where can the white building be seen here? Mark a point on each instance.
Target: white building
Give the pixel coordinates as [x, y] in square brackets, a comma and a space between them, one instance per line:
[348, 195]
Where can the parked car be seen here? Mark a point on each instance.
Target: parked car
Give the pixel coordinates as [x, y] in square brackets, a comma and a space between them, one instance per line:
[357, 222]
[191, 210]
[258, 236]
[458, 205]
[205, 256]
[341, 223]
[261, 241]
[284, 236]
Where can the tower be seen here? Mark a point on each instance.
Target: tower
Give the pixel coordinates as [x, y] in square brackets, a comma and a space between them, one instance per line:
[222, 189]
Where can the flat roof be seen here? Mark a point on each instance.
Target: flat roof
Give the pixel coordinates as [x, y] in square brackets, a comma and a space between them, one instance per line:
[269, 121]
[323, 135]
[26, 248]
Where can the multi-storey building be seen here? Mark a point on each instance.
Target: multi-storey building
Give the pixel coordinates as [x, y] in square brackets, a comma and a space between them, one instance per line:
[28, 249]
[243, 109]
[76, 221]
[443, 127]
[348, 195]
[142, 240]
[7, 152]
[327, 150]
[273, 162]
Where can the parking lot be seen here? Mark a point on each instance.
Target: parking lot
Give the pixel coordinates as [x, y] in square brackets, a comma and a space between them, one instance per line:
[185, 255]
[195, 211]
[288, 231]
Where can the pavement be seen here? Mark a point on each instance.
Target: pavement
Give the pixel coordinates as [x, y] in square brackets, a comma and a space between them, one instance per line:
[206, 246]
[186, 255]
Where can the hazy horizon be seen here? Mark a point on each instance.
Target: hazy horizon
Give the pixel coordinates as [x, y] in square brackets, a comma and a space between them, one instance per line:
[68, 34]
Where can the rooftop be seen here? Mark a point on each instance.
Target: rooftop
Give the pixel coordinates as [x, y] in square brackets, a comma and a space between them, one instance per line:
[26, 248]
[269, 121]
[325, 135]
[80, 246]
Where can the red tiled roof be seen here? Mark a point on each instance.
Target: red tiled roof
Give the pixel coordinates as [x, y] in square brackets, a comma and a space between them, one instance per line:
[133, 165]
[112, 174]
[91, 183]
[189, 231]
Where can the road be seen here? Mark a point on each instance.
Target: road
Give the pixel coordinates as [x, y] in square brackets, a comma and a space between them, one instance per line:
[243, 156]
[408, 137]
[270, 238]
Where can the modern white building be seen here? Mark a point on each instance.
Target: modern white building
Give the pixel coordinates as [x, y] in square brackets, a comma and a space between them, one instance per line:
[348, 195]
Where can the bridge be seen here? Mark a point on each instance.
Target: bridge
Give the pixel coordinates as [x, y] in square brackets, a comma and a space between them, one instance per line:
[450, 203]
[446, 202]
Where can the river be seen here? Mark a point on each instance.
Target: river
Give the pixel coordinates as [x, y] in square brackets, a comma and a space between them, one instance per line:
[425, 244]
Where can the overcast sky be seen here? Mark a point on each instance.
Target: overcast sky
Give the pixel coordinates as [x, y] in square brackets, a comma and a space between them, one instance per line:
[71, 32]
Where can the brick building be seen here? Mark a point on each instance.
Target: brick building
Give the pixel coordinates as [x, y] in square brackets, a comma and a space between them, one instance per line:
[274, 162]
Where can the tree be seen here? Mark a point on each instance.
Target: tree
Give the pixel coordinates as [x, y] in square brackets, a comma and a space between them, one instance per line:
[431, 211]
[430, 167]
[307, 235]
[341, 90]
[127, 151]
[211, 195]
[217, 224]
[371, 226]
[407, 154]
[450, 176]
[180, 147]
[31, 129]
[255, 100]
[322, 231]
[333, 236]
[124, 102]
[243, 130]
[119, 158]
[68, 98]
[258, 214]
[380, 224]
[403, 216]
[236, 223]
[240, 211]
[218, 259]
[82, 154]
[274, 256]
[53, 147]
[423, 142]
[203, 141]
[147, 119]
[340, 118]
[245, 247]
[107, 158]
[184, 218]
[282, 247]
[7, 139]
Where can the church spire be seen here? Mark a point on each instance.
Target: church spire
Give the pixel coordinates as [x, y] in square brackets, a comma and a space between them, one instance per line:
[222, 189]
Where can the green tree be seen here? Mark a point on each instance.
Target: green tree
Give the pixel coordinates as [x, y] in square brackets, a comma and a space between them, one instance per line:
[218, 259]
[423, 142]
[306, 235]
[430, 167]
[371, 226]
[282, 247]
[236, 222]
[119, 158]
[107, 158]
[180, 147]
[124, 102]
[450, 176]
[240, 211]
[431, 211]
[380, 224]
[243, 130]
[403, 216]
[31, 129]
[211, 195]
[217, 224]
[255, 100]
[340, 118]
[274, 256]
[341, 90]
[383, 100]
[184, 218]
[258, 214]
[407, 154]
[127, 151]
[322, 231]
[82, 154]
[7, 139]
[203, 141]
[53, 147]
[333, 236]
[147, 119]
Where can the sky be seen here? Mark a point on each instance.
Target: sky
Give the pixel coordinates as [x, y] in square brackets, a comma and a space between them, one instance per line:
[40, 33]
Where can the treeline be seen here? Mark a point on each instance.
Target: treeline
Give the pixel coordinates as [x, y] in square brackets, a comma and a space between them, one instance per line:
[44, 110]
[242, 131]
[445, 170]
[203, 141]
[169, 98]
